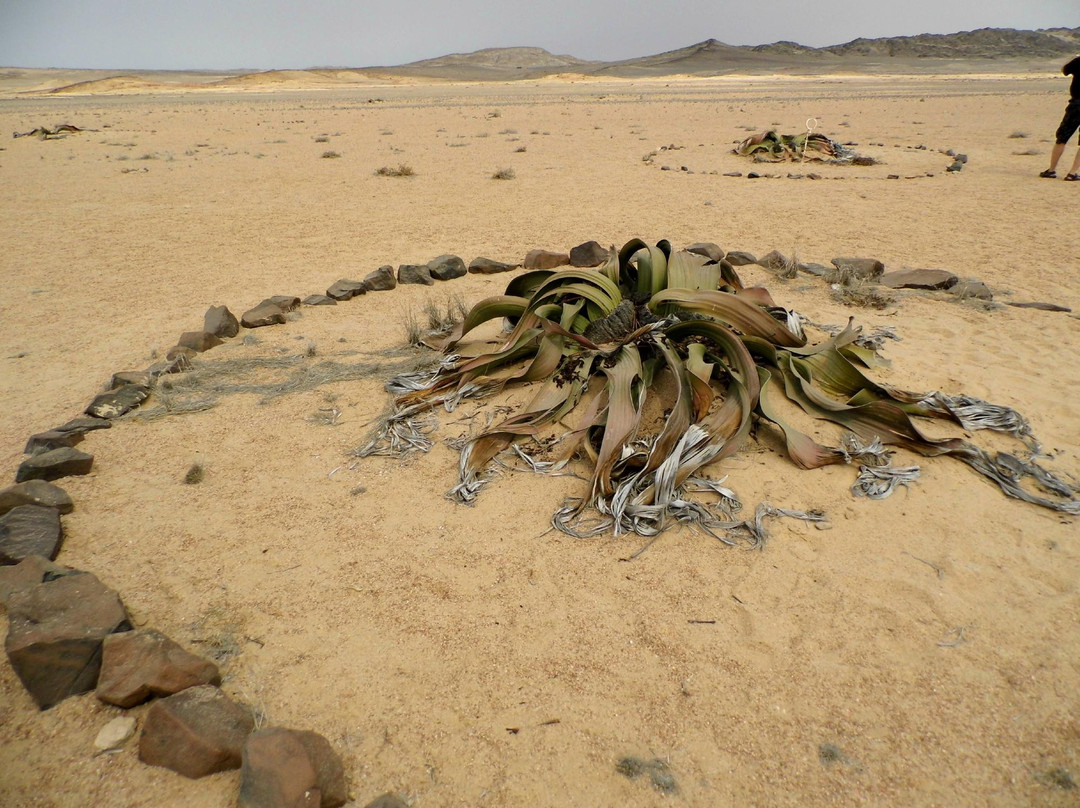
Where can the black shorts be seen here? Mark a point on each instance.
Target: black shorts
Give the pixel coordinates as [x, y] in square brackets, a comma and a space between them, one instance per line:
[1070, 123]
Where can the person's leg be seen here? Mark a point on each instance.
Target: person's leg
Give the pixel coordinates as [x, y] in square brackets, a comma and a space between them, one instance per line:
[1075, 166]
[1069, 124]
[1055, 155]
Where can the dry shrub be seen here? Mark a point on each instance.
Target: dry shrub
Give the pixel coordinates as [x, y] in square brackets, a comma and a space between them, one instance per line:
[402, 170]
[504, 174]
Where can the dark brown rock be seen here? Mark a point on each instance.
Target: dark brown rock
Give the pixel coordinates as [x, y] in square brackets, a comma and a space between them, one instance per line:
[221, 322]
[918, 279]
[972, 289]
[178, 364]
[199, 341]
[811, 268]
[708, 249]
[773, 260]
[137, 665]
[139, 377]
[345, 289]
[263, 315]
[35, 492]
[286, 303]
[1039, 306]
[387, 800]
[864, 269]
[27, 574]
[29, 530]
[545, 259]
[319, 300]
[284, 768]
[740, 258]
[489, 266]
[446, 267]
[415, 273]
[116, 402]
[196, 732]
[182, 353]
[55, 631]
[84, 423]
[46, 441]
[55, 464]
[381, 279]
[589, 254]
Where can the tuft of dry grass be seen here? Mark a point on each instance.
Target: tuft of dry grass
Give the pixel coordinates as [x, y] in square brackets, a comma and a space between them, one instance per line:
[503, 174]
[402, 170]
[1018, 134]
[195, 474]
[322, 139]
[330, 155]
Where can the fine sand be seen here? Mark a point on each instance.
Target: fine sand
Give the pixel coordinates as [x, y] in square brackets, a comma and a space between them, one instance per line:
[922, 651]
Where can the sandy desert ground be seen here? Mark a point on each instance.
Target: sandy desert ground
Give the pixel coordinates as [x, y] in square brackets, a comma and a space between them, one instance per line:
[466, 656]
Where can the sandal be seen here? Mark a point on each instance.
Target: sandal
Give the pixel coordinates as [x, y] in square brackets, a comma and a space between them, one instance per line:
[1072, 178]
[1049, 174]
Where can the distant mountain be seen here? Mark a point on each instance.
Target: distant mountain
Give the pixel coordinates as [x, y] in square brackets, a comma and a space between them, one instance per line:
[513, 58]
[713, 57]
[985, 43]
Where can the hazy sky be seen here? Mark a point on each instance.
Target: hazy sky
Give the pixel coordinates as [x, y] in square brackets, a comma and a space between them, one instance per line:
[262, 34]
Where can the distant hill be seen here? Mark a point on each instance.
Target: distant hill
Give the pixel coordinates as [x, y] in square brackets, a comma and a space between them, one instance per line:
[985, 43]
[963, 51]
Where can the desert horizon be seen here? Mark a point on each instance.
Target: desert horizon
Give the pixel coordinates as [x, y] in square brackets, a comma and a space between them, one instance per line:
[915, 650]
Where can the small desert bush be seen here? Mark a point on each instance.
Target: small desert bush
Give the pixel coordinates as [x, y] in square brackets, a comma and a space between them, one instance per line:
[330, 155]
[504, 174]
[1017, 135]
[402, 170]
[322, 139]
[195, 474]
[519, 150]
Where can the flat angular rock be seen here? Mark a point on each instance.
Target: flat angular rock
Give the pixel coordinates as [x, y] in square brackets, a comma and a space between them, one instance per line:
[489, 266]
[446, 267]
[177, 364]
[918, 279]
[84, 423]
[115, 734]
[199, 341]
[345, 289]
[116, 402]
[381, 279]
[35, 492]
[137, 665]
[589, 254]
[865, 269]
[1039, 306]
[29, 530]
[545, 259]
[46, 441]
[286, 303]
[196, 732]
[708, 249]
[181, 353]
[415, 273]
[810, 268]
[284, 768]
[264, 314]
[773, 260]
[55, 631]
[319, 300]
[973, 289]
[740, 258]
[27, 574]
[55, 464]
[139, 377]
[221, 322]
